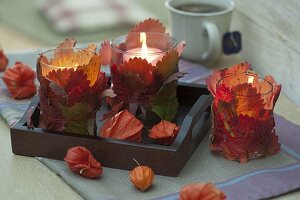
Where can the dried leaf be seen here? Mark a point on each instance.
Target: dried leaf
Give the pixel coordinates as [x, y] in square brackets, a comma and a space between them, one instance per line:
[60, 76]
[273, 96]
[19, 80]
[166, 111]
[203, 191]
[180, 47]
[135, 80]
[29, 113]
[92, 69]
[67, 43]
[63, 54]
[123, 126]
[71, 96]
[244, 138]
[77, 116]
[81, 161]
[92, 47]
[142, 177]
[3, 61]
[51, 116]
[243, 113]
[248, 101]
[168, 65]
[175, 77]
[164, 132]
[217, 75]
[224, 94]
[149, 25]
[105, 53]
[165, 103]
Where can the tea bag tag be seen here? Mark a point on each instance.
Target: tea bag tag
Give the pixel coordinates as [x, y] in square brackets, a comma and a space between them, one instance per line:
[232, 42]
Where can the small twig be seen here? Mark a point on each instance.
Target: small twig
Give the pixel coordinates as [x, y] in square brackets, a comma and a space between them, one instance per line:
[136, 161]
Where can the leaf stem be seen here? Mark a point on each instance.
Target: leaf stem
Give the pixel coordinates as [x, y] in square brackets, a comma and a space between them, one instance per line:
[136, 161]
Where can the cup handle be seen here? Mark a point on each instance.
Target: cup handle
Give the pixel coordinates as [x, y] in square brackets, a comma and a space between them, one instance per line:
[214, 42]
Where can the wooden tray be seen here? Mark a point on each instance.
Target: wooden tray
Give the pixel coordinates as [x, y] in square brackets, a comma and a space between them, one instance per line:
[164, 160]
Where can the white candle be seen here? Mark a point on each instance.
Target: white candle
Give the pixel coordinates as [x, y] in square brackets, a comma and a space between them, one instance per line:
[152, 55]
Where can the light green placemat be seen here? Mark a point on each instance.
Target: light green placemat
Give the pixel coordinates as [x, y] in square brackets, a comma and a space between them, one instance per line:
[204, 166]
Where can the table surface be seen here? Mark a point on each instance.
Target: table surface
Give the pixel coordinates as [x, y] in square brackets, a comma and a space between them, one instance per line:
[27, 178]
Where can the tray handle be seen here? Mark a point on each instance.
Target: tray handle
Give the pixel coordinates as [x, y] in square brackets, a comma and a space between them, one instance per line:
[196, 120]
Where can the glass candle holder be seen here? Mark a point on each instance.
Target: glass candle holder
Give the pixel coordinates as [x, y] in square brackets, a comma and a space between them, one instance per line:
[243, 121]
[144, 72]
[65, 58]
[145, 45]
[70, 89]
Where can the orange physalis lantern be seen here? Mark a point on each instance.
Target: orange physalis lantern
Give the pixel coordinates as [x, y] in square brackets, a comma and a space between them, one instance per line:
[81, 161]
[123, 126]
[203, 191]
[142, 177]
[19, 80]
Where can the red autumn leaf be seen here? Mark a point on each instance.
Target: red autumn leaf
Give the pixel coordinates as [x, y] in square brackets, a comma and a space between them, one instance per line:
[70, 97]
[19, 80]
[138, 73]
[244, 126]
[224, 94]
[201, 191]
[180, 47]
[168, 65]
[164, 132]
[3, 61]
[244, 138]
[51, 116]
[105, 53]
[67, 43]
[135, 80]
[81, 161]
[217, 75]
[248, 101]
[149, 25]
[272, 96]
[76, 86]
[28, 114]
[123, 126]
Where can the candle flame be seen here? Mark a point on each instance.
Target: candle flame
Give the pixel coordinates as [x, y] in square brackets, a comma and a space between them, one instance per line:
[250, 79]
[143, 40]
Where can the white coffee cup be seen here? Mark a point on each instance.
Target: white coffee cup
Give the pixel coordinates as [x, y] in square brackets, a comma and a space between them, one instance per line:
[202, 30]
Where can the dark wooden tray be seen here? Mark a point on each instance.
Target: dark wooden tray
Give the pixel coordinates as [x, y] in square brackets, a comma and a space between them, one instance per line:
[164, 160]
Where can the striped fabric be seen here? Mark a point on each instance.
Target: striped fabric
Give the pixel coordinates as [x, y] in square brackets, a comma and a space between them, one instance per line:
[11, 110]
[89, 15]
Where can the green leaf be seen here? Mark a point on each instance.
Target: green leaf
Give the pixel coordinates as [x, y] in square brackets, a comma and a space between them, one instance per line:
[168, 65]
[165, 94]
[165, 103]
[77, 117]
[166, 111]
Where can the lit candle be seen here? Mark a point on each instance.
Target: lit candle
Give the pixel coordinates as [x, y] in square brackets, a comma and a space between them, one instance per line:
[250, 79]
[152, 55]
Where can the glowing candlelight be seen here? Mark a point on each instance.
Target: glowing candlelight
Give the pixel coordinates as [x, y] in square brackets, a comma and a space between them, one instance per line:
[150, 54]
[250, 79]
